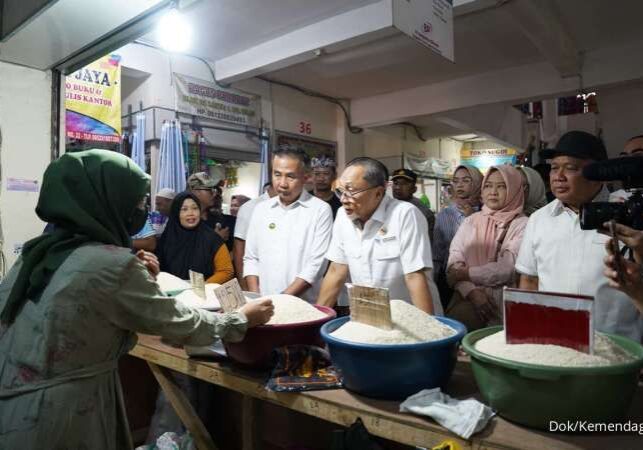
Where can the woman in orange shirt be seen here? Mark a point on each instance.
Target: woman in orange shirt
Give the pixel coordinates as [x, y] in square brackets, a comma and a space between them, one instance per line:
[189, 244]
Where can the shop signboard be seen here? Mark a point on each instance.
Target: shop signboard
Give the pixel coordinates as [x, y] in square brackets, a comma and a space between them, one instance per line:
[485, 158]
[429, 22]
[206, 99]
[93, 101]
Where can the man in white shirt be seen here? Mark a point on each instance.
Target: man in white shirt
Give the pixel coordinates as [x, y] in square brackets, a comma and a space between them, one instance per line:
[289, 234]
[241, 230]
[556, 255]
[380, 241]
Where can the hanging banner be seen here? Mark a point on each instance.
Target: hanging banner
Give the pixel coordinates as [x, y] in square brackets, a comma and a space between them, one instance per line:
[428, 167]
[205, 99]
[483, 159]
[93, 101]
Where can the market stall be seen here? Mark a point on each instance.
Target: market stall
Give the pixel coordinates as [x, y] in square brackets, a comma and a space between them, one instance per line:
[380, 417]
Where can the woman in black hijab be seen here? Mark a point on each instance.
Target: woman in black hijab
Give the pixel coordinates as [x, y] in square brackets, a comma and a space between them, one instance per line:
[189, 244]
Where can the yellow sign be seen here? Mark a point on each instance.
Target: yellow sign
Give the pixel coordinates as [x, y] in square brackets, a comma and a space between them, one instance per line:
[485, 158]
[93, 101]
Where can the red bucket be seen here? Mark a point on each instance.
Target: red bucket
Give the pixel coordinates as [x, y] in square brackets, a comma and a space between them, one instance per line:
[256, 348]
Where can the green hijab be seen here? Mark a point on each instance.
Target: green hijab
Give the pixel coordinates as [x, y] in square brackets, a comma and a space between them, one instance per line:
[89, 196]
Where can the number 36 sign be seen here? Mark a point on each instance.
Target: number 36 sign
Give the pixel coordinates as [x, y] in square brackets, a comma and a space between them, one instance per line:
[305, 127]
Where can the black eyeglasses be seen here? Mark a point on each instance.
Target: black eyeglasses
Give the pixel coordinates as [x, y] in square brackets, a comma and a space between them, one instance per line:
[350, 194]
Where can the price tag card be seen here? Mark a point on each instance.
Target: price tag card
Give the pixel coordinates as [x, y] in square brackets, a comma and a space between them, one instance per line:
[230, 296]
[198, 283]
[370, 305]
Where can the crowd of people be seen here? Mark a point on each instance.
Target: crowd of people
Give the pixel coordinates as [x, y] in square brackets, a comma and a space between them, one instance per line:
[70, 305]
[500, 230]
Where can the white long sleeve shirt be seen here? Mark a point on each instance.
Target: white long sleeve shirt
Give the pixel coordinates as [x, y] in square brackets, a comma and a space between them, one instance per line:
[288, 242]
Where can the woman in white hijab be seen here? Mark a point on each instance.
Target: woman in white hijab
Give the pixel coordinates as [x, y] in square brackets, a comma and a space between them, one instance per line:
[535, 192]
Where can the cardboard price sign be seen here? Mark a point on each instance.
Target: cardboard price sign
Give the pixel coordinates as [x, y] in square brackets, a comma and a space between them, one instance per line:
[198, 283]
[370, 305]
[230, 296]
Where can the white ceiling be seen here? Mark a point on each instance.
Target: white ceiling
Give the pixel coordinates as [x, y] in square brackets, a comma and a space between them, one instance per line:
[486, 39]
[224, 27]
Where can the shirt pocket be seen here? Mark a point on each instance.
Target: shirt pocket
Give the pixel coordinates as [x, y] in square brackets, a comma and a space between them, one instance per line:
[386, 248]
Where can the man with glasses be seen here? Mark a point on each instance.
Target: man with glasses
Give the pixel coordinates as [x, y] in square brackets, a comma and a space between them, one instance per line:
[379, 241]
[289, 234]
[210, 197]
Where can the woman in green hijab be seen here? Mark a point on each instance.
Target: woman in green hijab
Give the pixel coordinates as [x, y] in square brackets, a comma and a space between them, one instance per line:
[70, 306]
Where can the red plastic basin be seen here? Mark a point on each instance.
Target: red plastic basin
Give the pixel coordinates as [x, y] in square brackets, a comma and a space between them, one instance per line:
[256, 348]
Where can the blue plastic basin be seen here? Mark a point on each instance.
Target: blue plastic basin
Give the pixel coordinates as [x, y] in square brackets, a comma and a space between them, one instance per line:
[393, 372]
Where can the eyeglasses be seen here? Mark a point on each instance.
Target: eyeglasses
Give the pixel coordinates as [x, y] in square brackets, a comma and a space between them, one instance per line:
[350, 194]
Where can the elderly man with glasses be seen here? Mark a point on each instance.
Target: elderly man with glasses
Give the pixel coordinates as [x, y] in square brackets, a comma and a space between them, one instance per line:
[379, 241]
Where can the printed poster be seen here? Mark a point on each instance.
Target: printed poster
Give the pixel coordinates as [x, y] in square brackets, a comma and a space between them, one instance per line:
[93, 101]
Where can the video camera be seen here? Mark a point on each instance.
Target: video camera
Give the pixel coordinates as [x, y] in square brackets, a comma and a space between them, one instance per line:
[628, 170]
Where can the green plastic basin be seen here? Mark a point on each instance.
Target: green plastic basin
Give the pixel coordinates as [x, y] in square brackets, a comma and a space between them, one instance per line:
[534, 395]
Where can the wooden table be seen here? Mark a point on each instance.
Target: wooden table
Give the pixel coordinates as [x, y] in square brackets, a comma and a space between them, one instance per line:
[341, 407]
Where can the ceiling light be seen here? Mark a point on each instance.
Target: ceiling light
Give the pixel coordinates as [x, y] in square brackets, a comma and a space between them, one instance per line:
[173, 32]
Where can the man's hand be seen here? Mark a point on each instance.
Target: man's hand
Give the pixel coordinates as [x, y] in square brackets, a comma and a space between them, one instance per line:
[224, 233]
[332, 284]
[630, 237]
[485, 308]
[631, 278]
[150, 261]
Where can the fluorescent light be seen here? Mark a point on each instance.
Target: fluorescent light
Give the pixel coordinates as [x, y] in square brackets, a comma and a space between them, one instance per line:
[464, 137]
[173, 32]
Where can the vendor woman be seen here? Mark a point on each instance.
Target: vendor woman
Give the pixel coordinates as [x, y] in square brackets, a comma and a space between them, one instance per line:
[188, 243]
[71, 304]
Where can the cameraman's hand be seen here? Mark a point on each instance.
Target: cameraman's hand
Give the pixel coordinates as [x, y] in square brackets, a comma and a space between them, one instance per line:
[630, 237]
[631, 282]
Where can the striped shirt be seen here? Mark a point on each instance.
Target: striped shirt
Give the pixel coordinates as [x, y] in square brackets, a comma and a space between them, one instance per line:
[447, 223]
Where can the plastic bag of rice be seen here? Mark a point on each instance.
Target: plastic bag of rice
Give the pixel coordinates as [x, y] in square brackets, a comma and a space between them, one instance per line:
[410, 326]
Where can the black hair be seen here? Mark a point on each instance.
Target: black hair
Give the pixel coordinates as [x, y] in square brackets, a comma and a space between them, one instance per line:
[295, 153]
[640, 136]
[375, 172]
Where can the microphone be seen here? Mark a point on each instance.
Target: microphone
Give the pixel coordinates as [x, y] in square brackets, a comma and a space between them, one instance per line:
[628, 169]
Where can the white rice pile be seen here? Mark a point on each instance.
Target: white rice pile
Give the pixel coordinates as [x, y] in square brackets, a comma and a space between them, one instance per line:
[605, 352]
[410, 326]
[291, 309]
[191, 299]
[170, 283]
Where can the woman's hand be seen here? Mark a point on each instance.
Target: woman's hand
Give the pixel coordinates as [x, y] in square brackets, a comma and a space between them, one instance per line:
[258, 313]
[485, 308]
[457, 272]
[466, 209]
[150, 261]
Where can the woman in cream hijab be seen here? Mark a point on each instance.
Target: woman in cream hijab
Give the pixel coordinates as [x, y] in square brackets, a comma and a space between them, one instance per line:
[535, 192]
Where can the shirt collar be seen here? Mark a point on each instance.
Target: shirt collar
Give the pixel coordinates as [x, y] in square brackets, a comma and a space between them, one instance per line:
[602, 196]
[303, 200]
[380, 213]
